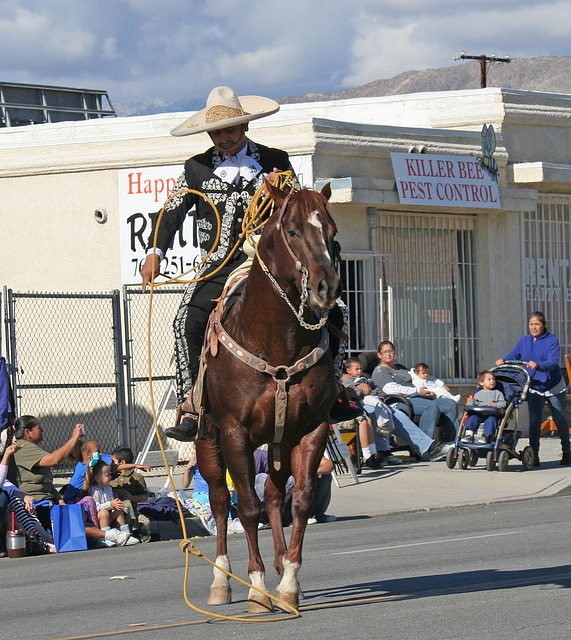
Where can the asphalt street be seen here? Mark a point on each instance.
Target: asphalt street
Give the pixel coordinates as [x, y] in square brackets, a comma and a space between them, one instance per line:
[497, 570]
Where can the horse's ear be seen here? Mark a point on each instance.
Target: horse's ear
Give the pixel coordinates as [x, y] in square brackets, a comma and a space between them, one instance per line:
[326, 191]
[278, 196]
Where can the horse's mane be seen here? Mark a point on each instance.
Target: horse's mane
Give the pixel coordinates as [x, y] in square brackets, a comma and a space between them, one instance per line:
[309, 199]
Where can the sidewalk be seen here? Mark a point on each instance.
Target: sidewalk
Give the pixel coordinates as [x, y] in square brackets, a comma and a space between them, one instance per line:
[419, 486]
[432, 485]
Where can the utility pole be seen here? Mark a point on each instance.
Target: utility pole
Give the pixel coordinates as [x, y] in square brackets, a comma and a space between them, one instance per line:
[483, 66]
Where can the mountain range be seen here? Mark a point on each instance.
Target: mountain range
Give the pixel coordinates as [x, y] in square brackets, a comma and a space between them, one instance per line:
[548, 74]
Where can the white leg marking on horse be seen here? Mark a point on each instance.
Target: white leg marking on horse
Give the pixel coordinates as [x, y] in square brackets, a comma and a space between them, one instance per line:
[258, 579]
[220, 578]
[289, 583]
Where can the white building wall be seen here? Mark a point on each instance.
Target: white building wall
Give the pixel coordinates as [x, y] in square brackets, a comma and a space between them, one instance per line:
[53, 178]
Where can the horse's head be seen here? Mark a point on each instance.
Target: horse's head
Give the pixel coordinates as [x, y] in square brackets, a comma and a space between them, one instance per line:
[300, 238]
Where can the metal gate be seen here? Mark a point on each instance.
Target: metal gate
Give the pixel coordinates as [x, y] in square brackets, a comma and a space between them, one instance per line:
[165, 303]
[66, 363]
[429, 280]
[360, 275]
[546, 256]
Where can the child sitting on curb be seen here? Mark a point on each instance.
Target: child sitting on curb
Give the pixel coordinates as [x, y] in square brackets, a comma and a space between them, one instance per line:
[109, 508]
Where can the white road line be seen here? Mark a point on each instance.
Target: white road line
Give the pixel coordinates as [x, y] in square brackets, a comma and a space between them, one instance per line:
[419, 544]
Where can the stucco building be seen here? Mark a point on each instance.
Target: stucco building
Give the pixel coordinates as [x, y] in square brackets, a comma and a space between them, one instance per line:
[450, 279]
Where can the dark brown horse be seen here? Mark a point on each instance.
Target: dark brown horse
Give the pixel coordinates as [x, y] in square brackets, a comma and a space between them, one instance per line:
[273, 372]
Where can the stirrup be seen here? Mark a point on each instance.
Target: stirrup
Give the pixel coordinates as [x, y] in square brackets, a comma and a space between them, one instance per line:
[190, 406]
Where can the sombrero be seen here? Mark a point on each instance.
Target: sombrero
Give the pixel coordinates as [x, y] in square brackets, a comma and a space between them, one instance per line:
[225, 109]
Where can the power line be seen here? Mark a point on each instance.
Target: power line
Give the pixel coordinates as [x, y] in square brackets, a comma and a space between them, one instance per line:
[485, 62]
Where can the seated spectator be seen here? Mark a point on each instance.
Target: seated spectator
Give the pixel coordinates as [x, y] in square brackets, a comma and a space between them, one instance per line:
[130, 486]
[201, 492]
[261, 467]
[322, 488]
[361, 390]
[395, 379]
[20, 504]
[81, 454]
[109, 507]
[30, 470]
[389, 420]
[421, 378]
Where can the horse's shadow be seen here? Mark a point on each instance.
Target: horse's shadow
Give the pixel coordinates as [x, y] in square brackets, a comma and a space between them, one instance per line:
[414, 587]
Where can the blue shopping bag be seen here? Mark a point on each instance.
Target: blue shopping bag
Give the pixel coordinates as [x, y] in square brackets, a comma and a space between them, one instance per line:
[68, 527]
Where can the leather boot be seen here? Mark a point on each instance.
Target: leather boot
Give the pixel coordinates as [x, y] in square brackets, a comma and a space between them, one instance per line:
[185, 431]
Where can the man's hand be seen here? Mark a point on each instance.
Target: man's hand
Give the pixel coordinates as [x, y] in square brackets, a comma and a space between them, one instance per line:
[425, 393]
[77, 431]
[147, 269]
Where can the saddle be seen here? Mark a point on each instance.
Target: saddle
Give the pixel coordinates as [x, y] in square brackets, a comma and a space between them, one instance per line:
[231, 293]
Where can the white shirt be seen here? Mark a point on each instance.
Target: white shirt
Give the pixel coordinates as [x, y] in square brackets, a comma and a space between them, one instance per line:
[102, 497]
[238, 166]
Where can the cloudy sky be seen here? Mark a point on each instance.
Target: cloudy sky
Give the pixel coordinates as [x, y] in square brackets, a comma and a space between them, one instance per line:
[179, 49]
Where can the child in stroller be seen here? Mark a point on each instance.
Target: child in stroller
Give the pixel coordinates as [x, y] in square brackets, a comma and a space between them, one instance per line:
[492, 402]
[498, 442]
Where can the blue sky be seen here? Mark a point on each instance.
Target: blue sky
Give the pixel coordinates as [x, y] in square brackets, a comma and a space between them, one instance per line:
[179, 49]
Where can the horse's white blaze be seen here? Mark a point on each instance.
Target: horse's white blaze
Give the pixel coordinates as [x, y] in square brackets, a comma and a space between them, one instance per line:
[289, 583]
[314, 220]
[220, 578]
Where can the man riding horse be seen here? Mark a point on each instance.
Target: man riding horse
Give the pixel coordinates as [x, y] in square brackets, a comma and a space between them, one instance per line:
[229, 173]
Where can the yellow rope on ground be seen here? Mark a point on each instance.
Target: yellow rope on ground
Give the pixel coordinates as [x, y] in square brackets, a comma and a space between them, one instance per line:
[250, 224]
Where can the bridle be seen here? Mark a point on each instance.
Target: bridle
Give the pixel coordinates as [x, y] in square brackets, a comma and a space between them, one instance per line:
[304, 289]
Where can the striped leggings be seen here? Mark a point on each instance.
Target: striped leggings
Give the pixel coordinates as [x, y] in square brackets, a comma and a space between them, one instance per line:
[26, 520]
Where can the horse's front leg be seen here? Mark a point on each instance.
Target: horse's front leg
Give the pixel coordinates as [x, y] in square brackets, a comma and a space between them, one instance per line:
[213, 470]
[278, 485]
[305, 459]
[238, 453]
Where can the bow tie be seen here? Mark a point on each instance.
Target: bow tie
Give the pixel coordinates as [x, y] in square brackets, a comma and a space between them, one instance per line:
[239, 166]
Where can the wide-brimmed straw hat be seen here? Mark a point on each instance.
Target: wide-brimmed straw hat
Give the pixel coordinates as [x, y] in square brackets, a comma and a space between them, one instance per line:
[225, 109]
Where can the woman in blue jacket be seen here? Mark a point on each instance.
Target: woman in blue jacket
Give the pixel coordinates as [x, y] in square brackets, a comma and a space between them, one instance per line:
[540, 350]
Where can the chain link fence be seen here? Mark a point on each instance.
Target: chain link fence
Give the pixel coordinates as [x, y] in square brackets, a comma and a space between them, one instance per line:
[66, 357]
[72, 359]
[139, 325]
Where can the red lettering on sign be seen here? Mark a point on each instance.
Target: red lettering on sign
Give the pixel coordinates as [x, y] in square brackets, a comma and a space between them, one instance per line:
[134, 183]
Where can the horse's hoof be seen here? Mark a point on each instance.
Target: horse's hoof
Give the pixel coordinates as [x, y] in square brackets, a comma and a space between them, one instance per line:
[289, 598]
[220, 595]
[259, 603]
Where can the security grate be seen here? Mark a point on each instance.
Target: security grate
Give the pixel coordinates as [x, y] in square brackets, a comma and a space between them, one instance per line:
[431, 292]
[546, 255]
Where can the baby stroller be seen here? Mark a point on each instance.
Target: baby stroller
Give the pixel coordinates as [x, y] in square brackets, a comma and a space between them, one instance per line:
[513, 380]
